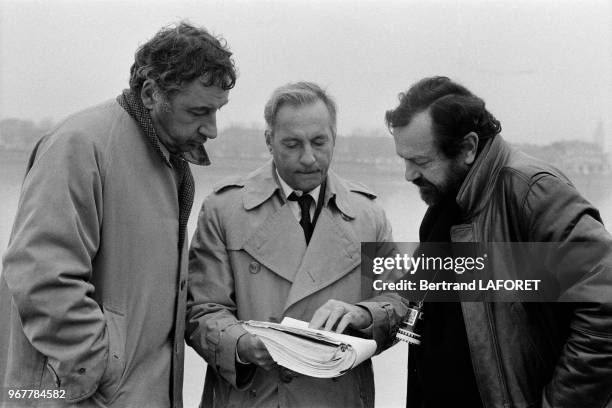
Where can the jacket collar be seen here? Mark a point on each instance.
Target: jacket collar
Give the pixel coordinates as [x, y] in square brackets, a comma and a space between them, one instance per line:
[261, 185]
[478, 185]
[133, 105]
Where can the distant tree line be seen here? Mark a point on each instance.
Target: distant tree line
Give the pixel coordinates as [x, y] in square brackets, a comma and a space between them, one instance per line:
[373, 149]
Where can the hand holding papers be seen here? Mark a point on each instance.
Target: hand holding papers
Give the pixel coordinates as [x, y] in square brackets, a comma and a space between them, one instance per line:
[250, 349]
[315, 353]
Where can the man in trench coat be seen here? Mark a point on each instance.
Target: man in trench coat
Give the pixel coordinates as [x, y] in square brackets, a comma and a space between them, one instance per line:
[92, 293]
[254, 257]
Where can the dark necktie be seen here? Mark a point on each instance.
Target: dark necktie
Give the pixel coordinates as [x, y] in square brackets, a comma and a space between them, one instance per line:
[186, 190]
[304, 201]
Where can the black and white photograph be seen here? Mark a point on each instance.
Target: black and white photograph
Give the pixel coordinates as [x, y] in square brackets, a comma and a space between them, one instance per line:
[193, 194]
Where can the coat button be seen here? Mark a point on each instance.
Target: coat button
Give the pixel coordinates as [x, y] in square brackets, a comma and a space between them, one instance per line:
[254, 267]
[82, 370]
[286, 375]
[183, 284]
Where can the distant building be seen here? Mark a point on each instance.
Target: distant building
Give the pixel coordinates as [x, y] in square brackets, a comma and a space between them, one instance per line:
[376, 152]
[572, 157]
[599, 136]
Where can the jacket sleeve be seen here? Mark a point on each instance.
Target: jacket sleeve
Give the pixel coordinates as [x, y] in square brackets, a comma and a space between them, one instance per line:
[582, 264]
[212, 328]
[387, 308]
[48, 263]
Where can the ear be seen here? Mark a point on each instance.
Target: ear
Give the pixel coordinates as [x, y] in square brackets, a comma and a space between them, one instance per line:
[149, 94]
[469, 147]
[268, 134]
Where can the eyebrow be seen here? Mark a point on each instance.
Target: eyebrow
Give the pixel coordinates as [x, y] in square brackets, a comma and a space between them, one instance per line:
[291, 139]
[415, 157]
[206, 107]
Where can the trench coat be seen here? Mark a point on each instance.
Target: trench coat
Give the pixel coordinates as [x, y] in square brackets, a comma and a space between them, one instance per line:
[92, 291]
[249, 260]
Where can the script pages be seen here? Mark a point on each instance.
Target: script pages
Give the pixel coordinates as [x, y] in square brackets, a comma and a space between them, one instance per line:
[315, 353]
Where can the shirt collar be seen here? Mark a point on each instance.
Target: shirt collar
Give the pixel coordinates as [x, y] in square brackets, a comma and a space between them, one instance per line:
[262, 183]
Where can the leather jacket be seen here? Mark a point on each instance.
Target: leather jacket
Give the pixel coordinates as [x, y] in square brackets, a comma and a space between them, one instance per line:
[536, 354]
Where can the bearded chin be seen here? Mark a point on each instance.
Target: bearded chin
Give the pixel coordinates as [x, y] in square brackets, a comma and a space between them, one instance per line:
[433, 195]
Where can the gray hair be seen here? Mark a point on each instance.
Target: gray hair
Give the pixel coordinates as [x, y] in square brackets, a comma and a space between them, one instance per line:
[298, 94]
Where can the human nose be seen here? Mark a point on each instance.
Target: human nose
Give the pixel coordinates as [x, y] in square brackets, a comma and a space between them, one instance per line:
[307, 158]
[411, 172]
[209, 127]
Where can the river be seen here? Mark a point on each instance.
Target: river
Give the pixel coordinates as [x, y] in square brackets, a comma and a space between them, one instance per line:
[399, 199]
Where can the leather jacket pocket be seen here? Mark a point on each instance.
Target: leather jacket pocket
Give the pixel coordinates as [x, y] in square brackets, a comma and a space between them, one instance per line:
[115, 362]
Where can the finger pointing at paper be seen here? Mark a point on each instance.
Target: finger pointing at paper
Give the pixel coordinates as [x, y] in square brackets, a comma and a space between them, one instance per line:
[337, 316]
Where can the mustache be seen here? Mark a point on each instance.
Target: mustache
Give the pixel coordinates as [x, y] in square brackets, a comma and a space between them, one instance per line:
[420, 182]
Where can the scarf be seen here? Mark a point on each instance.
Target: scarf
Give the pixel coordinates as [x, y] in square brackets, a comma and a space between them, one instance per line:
[186, 187]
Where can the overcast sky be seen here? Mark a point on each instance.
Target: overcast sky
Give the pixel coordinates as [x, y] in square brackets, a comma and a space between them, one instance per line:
[543, 67]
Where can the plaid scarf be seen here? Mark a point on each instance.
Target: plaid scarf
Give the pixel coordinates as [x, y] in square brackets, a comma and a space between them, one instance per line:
[186, 188]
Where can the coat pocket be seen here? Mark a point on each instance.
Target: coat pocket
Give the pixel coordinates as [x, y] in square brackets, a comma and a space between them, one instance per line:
[49, 379]
[115, 362]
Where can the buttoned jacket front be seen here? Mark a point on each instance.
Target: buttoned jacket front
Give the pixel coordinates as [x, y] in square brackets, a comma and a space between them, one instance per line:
[249, 260]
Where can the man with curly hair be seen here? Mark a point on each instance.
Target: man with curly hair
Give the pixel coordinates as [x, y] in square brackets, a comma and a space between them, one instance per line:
[93, 289]
[480, 189]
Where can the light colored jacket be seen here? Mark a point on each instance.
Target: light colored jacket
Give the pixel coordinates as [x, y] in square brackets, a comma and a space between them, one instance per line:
[249, 260]
[92, 293]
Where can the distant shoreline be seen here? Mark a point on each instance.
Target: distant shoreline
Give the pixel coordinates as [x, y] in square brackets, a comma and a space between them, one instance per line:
[595, 187]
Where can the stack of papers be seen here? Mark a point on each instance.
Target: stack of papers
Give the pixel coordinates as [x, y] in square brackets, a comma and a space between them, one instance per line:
[315, 353]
